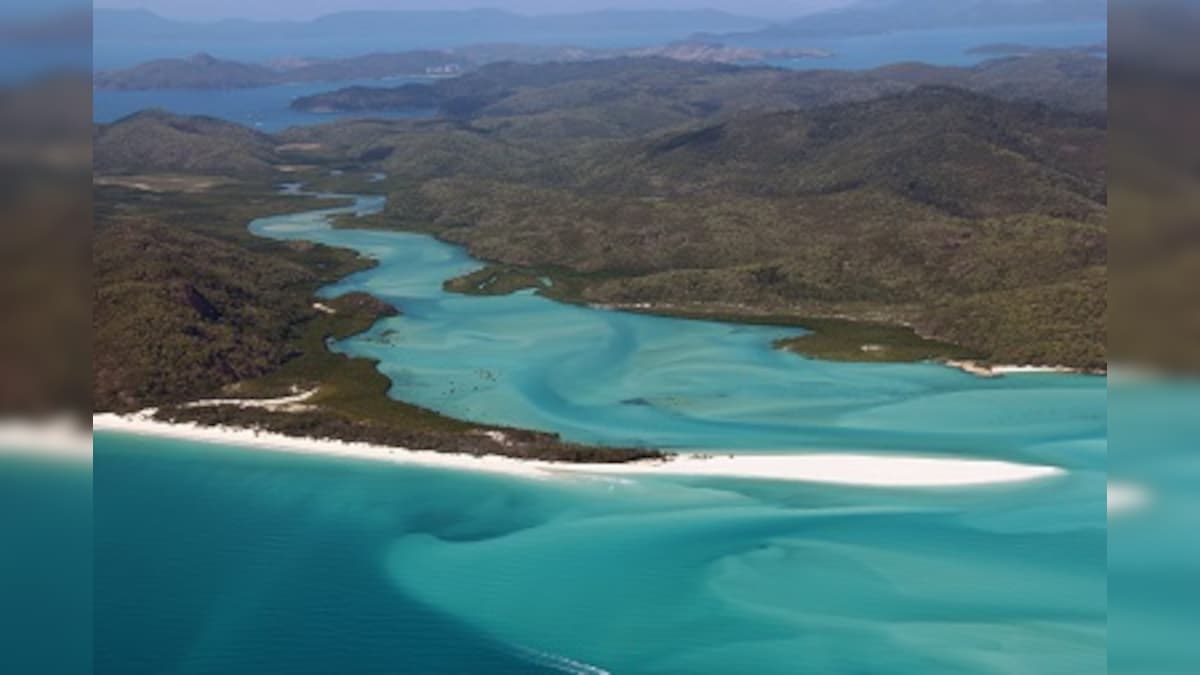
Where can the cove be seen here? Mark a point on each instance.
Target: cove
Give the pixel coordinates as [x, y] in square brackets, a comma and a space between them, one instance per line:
[616, 378]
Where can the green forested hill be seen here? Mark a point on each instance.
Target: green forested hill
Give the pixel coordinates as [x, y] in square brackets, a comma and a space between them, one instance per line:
[187, 300]
[915, 208]
[190, 305]
[159, 141]
[699, 188]
[621, 97]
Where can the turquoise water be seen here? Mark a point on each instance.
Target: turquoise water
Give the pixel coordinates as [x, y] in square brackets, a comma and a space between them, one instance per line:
[45, 563]
[618, 378]
[1153, 551]
[221, 560]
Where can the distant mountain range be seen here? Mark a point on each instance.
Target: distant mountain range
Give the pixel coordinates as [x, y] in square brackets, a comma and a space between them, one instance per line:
[659, 89]
[119, 33]
[885, 16]
[204, 71]
[70, 26]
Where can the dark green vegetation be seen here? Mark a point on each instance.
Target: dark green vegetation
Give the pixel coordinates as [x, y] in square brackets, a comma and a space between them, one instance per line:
[201, 71]
[620, 97]
[158, 141]
[351, 402]
[977, 221]
[188, 301]
[842, 340]
[498, 280]
[830, 338]
[898, 220]
[406, 429]
[190, 305]
[696, 186]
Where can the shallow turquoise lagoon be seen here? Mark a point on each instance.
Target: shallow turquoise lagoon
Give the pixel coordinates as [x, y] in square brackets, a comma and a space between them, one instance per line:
[222, 560]
[617, 378]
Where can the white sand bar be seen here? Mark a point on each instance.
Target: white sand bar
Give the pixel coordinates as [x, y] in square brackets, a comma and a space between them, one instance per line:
[60, 438]
[840, 469]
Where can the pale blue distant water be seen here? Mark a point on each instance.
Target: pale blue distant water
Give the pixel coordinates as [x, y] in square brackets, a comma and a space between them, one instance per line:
[267, 108]
[943, 47]
[222, 560]
[263, 108]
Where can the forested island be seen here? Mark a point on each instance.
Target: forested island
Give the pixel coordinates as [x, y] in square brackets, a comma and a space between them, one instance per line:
[205, 71]
[689, 91]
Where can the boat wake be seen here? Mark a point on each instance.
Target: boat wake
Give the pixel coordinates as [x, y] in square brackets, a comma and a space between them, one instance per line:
[557, 662]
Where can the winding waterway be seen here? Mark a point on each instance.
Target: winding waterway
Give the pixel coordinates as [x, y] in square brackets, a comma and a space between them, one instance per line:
[221, 560]
[618, 378]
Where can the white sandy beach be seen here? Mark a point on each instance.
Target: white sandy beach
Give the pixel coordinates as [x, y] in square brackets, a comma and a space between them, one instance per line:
[840, 469]
[54, 438]
[985, 370]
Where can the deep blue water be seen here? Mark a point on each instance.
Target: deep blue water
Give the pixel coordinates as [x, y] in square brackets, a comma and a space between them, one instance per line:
[264, 108]
[945, 47]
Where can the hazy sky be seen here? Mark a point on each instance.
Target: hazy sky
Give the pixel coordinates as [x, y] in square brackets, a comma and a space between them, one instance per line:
[305, 9]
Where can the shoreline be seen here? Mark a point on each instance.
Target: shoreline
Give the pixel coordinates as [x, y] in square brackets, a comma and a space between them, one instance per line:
[969, 366]
[986, 370]
[861, 470]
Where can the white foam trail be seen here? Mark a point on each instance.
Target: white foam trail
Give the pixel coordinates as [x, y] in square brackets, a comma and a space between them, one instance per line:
[1124, 498]
[558, 662]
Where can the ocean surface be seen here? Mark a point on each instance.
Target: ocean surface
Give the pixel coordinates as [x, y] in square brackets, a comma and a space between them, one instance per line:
[221, 560]
[263, 108]
[943, 47]
[46, 561]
